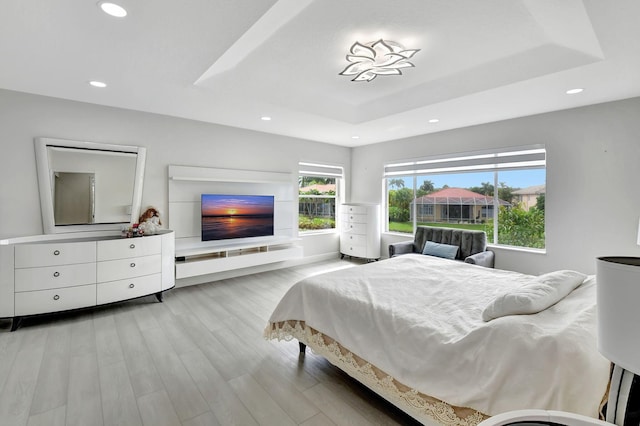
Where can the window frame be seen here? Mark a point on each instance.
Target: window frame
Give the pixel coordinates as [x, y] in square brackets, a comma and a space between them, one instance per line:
[322, 171]
[507, 159]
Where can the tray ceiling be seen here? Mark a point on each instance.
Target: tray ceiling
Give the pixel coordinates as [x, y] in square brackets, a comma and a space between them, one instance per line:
[233, 62]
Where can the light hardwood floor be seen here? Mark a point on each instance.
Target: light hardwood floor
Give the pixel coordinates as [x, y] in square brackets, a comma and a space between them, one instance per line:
[197, 359]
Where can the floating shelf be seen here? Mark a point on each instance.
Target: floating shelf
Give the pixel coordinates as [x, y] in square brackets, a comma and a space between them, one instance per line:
[207, 174]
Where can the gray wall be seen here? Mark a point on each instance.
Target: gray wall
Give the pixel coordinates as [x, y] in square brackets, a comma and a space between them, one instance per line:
[168, 141]
[592, 204]
[593, 179]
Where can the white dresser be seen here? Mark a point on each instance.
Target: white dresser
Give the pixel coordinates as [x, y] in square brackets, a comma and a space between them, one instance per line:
[50, 274]
[360, 230]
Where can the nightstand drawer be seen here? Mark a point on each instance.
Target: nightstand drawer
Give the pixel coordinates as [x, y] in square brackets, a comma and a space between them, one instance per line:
[50, 254]
[60, 299]
[128, 247]
[113, 270]
[128, 289]
[33, 279]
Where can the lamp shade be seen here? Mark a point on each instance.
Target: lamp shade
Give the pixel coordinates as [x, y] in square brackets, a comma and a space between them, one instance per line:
[618, 307]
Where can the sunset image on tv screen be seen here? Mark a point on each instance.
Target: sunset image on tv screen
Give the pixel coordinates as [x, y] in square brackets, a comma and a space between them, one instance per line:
[236, 216]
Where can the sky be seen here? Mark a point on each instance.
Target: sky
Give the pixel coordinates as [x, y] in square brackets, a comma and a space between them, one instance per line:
[236, 205]
[515, 179]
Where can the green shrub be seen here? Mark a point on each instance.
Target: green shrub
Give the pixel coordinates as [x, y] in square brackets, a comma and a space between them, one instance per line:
[397, 214]
[521, 228]
[305, 223]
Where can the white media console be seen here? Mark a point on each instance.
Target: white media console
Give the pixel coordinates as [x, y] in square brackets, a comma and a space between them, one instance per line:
[195, 257]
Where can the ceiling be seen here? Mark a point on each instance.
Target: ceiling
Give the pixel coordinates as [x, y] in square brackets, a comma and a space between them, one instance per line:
[234, 61]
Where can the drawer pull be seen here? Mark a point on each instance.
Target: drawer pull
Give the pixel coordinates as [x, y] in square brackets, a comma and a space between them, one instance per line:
[132, 285]
[133, 265]
[56, 297]
[132, 246]
[56, 274]
[56, 252]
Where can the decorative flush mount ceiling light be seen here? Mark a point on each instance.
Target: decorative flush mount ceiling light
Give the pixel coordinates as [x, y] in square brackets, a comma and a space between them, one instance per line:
[112, 9]
[382, 57]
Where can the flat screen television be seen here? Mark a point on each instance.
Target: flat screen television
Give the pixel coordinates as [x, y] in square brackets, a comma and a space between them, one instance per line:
[226, 217]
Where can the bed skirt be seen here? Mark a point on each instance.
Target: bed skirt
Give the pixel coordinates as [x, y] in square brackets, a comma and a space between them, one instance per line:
[424, 408]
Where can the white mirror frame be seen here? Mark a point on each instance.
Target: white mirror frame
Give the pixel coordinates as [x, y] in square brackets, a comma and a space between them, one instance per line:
[45, 183]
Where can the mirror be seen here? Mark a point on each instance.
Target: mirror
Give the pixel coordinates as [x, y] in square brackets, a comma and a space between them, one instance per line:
[86, 186]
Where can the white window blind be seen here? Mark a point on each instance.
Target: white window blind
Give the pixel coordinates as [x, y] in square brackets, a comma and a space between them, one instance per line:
[320, 170]
[532, 157]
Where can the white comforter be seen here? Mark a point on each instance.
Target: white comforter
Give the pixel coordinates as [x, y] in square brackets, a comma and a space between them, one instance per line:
[418, 318]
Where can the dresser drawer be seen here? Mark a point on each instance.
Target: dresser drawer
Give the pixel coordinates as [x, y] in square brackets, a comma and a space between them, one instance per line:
[354, 250]
[129, 247]
[128, 289]
[354, 209]
[353, 239]
[355, 218]
[50, 254]
[60, 299]
[31, 279]
[354, 228]
[121, 269]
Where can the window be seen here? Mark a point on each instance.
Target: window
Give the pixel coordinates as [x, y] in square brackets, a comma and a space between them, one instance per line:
[318, 195]
[460, 192]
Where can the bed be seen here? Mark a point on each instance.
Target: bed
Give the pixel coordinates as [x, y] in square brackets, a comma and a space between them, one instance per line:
[411, 328]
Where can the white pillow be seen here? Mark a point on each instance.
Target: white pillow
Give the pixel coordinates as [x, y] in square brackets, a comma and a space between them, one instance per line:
[544, 291]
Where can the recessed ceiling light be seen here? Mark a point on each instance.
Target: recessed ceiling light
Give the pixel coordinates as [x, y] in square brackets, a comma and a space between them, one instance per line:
[112, 9]
[265, 118]
[574, 91]
[434, 120]
[99, 84]
[355, 137]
